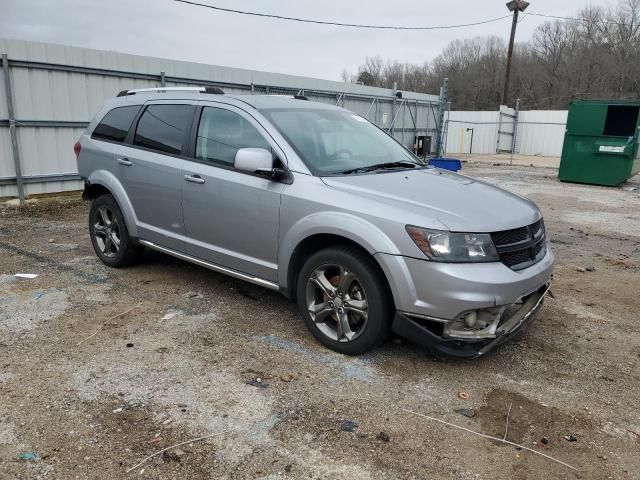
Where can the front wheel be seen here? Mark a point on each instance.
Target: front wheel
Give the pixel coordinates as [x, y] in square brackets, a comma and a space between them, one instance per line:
[344, 299]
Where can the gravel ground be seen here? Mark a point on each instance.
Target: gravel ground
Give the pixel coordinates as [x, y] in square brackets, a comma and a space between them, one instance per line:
[101, 368]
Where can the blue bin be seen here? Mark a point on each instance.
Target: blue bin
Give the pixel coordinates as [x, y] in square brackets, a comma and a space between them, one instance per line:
[451, 164]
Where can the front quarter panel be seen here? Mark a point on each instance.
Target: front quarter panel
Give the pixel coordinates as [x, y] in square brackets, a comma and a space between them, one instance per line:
[309, 208]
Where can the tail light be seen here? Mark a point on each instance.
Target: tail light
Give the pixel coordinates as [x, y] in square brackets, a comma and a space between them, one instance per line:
[77, 148]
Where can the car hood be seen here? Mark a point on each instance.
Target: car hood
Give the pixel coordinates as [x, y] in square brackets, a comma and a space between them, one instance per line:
[428, 195]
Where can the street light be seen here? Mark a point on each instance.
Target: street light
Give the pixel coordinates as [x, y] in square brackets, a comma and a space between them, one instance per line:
[515, 6]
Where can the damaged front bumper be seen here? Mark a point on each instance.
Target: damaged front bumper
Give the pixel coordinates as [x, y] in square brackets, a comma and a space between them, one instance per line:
[472, 333]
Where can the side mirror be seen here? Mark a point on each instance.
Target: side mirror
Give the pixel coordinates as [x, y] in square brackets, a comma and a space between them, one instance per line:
[254, 160]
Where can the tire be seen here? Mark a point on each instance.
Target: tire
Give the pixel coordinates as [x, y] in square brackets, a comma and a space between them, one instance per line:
[353, 278]
[106, 225]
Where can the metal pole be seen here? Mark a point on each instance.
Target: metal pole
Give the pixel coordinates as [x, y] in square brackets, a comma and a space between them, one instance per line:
[163, 83]
[375, 99]
[12, 128]
[498, 131]
[444, 91]
[404, 115]
[393, 105]
[516, 119]
[393, 121]
[446, 129]
[507, 75]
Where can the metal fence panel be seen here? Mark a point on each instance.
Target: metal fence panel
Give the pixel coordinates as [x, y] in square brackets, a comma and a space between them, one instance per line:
[4, 113]
[541, 132]
[485, 130]
[48, 150]
[58, 88]
[6, 165]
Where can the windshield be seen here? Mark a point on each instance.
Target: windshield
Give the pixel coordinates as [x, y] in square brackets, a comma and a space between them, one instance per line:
[335, 142]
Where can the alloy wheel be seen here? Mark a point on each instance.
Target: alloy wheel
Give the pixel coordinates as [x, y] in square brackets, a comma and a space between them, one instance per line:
[337, 303]
[106, 231]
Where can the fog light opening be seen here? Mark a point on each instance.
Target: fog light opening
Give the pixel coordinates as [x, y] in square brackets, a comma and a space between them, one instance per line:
[470, 319]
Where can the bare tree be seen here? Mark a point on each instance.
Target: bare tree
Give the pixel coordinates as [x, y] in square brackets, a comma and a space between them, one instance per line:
[596, 56]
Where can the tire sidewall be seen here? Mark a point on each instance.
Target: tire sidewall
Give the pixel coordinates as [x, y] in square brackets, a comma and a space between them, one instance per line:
[371, 280]
[125, 242]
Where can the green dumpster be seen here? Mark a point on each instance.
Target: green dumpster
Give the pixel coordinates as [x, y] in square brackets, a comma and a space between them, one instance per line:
[601, 142]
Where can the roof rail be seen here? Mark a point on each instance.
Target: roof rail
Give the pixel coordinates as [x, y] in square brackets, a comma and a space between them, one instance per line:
[210, 90]
[296, 97]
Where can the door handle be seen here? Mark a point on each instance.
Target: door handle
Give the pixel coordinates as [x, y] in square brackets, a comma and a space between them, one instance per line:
[194, 178]
[124, 161]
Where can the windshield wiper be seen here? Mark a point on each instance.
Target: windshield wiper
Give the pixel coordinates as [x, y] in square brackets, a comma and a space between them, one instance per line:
[381, 166]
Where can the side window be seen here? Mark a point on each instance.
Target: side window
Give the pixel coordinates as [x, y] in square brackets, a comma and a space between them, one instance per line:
[115, 124]
[222, 133]
[163, 127]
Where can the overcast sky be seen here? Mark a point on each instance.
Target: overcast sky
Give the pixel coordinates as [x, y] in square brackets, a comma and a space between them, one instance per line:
[164, 28]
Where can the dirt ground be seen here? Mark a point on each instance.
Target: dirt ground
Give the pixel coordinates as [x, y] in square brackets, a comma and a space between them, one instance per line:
[510, 160]
[100, 368]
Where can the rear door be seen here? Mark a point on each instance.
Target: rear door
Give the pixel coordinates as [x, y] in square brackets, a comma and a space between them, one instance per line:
[231, 217]
[151, 167]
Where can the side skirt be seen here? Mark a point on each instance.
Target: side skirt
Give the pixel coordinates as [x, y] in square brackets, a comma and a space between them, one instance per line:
[211, 266]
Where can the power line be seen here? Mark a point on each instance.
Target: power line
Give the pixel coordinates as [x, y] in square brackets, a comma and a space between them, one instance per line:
[338, 24]
[583, 20]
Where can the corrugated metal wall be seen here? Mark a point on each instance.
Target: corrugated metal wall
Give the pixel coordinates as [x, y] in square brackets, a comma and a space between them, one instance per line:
[485, 130]
[57, 83]
[539, 132]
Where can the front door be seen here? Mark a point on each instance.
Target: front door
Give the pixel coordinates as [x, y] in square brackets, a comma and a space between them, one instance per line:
[231, 218]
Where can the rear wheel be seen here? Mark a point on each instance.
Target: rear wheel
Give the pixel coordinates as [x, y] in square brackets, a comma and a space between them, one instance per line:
[344, 300]
[109, 234]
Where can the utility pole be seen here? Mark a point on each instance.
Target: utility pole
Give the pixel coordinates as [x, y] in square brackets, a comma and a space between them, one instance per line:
[515, 6]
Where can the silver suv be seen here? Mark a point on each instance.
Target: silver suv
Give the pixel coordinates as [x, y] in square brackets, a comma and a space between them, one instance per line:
[318, 203]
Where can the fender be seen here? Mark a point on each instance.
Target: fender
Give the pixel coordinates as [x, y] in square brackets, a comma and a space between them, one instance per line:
[346, 225]
[111, 183]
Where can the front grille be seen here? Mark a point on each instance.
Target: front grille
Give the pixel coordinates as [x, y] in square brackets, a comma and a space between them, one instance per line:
[510, 236]
[521, 247]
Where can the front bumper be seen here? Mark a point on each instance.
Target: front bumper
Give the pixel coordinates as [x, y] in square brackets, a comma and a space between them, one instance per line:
[416, 330]
[430, 294]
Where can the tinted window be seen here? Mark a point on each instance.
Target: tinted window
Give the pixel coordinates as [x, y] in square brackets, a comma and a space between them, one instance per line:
[163, 127]
[115, 124]
[222, 133]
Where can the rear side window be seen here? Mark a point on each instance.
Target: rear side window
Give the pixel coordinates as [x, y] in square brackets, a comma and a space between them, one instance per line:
[115, 124]
[163, 127]
[222, 133]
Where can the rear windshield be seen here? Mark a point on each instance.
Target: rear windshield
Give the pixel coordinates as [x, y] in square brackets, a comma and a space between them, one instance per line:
[334, 141]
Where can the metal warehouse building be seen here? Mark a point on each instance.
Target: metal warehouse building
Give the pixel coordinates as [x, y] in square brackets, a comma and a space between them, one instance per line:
[54, 90]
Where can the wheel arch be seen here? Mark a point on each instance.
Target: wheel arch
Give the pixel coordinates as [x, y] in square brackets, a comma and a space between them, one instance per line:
[103, 182]
[368, 239]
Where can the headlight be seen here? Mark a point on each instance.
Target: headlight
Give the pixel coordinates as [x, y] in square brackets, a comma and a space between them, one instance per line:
[441, 246]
